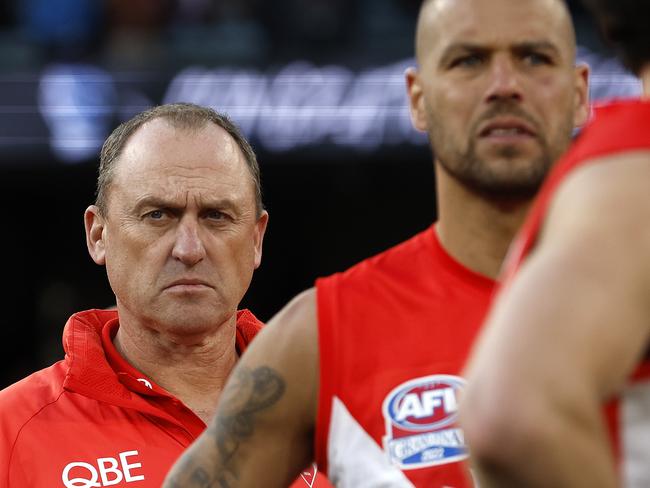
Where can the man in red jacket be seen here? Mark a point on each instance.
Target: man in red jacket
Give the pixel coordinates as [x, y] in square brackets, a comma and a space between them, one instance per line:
[178, 223]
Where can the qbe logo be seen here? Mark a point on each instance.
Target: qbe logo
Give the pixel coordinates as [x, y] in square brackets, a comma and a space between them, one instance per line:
[106, 471]
[420, 417]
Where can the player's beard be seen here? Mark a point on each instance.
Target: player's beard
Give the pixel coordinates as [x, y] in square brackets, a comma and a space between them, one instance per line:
[511, 177]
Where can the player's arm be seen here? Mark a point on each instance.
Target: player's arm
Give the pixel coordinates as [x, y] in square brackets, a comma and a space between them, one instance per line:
[565, 336]
[262, 434]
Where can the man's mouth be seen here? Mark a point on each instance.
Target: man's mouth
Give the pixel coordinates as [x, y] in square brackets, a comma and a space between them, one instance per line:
[507, 128]
[188, 285]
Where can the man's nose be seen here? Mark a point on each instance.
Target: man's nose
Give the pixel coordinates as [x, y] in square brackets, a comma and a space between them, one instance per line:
[505, 80]
[188, 245]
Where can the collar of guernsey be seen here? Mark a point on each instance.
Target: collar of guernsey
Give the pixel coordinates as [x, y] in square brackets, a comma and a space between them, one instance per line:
[456, 268]
[247, 327]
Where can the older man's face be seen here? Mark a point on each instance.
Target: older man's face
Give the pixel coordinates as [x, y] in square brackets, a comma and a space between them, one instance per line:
[182, 235]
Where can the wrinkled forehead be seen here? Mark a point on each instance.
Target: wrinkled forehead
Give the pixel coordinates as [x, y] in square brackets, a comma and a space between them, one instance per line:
[172, 159]
[493, 23]
[159, 147]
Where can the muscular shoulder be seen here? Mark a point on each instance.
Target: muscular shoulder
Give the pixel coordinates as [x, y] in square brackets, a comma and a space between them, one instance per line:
[283, 356]
[295, 325]
[288, 343]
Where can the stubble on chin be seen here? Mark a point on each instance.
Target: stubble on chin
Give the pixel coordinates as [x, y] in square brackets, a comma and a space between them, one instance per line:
[509, 171]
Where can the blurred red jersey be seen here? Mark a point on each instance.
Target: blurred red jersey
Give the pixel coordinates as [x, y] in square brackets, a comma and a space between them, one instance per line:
[616, 128]
[394, 335]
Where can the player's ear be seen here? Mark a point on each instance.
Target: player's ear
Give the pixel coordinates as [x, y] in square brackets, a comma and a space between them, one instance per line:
[95, 235]
[260, 229]
[416, 99]
[582, 107]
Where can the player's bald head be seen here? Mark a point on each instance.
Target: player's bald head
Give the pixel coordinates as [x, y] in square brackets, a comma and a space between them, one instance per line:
[434, 14]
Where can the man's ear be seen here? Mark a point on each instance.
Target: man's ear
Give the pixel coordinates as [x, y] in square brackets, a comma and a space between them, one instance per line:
[582, 106]
[94, 224]
[260, 229]
[416, 99]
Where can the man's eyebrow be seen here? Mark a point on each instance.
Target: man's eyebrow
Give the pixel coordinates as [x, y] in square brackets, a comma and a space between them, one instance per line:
[537, 46]
[469, 47]
[459, 47]
[158, 202]
[152, 201]
[219, 204]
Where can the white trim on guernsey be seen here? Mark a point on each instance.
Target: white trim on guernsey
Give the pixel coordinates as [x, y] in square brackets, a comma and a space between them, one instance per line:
[354, 459]
[635, 435]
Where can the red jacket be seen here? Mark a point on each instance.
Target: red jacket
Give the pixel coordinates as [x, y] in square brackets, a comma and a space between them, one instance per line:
[92, 420]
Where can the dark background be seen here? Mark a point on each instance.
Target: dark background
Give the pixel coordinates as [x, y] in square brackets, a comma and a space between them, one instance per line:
[330, 205]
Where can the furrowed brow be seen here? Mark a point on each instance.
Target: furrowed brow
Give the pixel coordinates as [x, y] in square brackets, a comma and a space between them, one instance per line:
[539, 46]
[173, 205]
[154, 202]
[461, 48]
[217, 204]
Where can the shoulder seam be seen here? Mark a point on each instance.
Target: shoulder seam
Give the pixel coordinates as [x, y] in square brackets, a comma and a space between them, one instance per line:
[11, 452]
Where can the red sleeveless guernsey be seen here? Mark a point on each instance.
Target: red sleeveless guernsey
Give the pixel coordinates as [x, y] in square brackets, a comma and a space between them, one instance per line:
[616, 128]
[394, 335]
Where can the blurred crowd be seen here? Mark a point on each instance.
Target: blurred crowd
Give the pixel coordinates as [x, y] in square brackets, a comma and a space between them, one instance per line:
[141, 34]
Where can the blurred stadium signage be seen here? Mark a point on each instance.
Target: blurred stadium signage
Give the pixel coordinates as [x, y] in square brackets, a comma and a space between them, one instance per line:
[74, 107]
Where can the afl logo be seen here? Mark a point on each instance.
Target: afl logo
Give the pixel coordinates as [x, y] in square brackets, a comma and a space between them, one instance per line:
[420, 417]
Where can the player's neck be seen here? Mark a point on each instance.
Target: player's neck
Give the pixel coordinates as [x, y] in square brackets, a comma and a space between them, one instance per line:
[195, 373]
[475, 229]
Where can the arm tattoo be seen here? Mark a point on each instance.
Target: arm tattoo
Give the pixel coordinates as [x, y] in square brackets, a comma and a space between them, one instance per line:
[188, 472]
[248, 393]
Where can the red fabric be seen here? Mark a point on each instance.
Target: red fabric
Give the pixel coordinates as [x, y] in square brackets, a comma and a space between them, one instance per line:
[617, 127]
[408, 313]
[90, 409]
